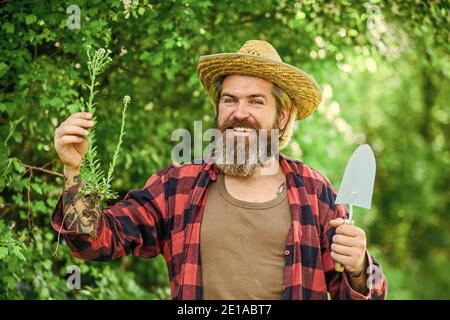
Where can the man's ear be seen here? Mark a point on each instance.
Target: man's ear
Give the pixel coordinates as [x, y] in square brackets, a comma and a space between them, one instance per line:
[284, 117]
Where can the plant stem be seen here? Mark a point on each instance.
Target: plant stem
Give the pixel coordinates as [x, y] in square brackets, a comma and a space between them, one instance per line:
[119, 143]
[90, 106]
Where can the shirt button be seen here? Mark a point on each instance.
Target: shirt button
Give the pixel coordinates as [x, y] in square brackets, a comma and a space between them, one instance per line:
[287, 252]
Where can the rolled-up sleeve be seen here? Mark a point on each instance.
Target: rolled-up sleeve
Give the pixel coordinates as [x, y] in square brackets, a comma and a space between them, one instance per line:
[135, 224]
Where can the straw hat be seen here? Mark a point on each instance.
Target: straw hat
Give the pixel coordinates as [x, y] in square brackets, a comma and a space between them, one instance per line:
[260, 59]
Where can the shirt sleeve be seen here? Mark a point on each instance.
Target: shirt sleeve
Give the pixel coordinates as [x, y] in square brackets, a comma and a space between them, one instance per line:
[338, 282]
[135, 224]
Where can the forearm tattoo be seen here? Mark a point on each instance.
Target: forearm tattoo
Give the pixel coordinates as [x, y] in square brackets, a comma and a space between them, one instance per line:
[81, 212]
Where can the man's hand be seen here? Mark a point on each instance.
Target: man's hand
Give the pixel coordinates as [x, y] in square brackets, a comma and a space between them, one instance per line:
[71, 139]
[349, 246]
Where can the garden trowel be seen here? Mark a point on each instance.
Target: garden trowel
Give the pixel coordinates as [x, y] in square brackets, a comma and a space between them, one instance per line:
[357, 184]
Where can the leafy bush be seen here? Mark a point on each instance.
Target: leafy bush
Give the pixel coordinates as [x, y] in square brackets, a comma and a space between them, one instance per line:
[384, 84]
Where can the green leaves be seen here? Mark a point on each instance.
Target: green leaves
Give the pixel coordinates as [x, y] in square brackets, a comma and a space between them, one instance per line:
[3, 252]
[10, 248]
[3, 69]
[29, 19]
[8, 27]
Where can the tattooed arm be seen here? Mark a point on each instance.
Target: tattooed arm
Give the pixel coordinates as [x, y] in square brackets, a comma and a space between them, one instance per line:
[81, 212]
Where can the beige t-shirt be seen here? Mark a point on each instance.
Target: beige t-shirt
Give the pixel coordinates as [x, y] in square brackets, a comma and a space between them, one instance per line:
[242, 245]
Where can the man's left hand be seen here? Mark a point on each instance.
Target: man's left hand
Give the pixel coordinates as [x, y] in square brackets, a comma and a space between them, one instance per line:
[349, 246]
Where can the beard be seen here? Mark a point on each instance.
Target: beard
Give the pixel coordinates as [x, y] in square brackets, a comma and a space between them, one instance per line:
[240, 152]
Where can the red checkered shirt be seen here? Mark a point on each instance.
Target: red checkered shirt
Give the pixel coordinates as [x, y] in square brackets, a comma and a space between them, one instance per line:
[165, 218]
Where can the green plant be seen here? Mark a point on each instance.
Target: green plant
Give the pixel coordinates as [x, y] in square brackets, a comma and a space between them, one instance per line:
[96, 185]
[11, 255]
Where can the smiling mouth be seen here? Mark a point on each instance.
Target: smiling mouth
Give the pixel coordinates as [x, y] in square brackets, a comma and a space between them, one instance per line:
[241, 129]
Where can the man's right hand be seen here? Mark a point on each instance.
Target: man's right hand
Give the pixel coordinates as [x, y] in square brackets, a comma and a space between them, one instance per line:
[71, 139]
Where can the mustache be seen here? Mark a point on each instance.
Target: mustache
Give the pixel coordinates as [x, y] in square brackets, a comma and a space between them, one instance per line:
[230, 124]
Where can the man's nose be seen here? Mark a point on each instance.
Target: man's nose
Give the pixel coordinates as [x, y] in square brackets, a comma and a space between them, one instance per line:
[242, 111]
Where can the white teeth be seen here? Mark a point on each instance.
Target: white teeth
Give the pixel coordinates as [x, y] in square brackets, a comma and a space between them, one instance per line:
[240, 129]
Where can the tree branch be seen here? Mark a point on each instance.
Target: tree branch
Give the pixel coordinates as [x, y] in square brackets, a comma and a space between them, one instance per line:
[43, 170]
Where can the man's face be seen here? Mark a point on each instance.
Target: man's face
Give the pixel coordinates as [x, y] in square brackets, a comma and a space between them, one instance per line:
[246, 101]
[246, 105]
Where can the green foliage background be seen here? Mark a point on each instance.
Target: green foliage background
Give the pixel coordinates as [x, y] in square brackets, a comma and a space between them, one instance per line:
[385, 82]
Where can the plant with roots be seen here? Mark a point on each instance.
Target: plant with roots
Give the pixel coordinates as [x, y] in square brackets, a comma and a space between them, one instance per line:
[95, 184]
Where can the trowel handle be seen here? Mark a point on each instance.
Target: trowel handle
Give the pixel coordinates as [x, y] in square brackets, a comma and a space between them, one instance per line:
[339, 267]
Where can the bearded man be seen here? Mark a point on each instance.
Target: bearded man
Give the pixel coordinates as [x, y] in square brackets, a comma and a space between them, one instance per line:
[249, 223]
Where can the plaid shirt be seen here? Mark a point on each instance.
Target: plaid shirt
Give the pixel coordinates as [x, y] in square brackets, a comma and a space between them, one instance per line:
[165, 217]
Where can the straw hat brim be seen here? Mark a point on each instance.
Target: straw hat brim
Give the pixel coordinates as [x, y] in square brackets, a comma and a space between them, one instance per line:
[301, 87]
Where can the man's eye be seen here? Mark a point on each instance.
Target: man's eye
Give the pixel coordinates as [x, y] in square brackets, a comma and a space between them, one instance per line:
[257, 101]
[228, 100]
